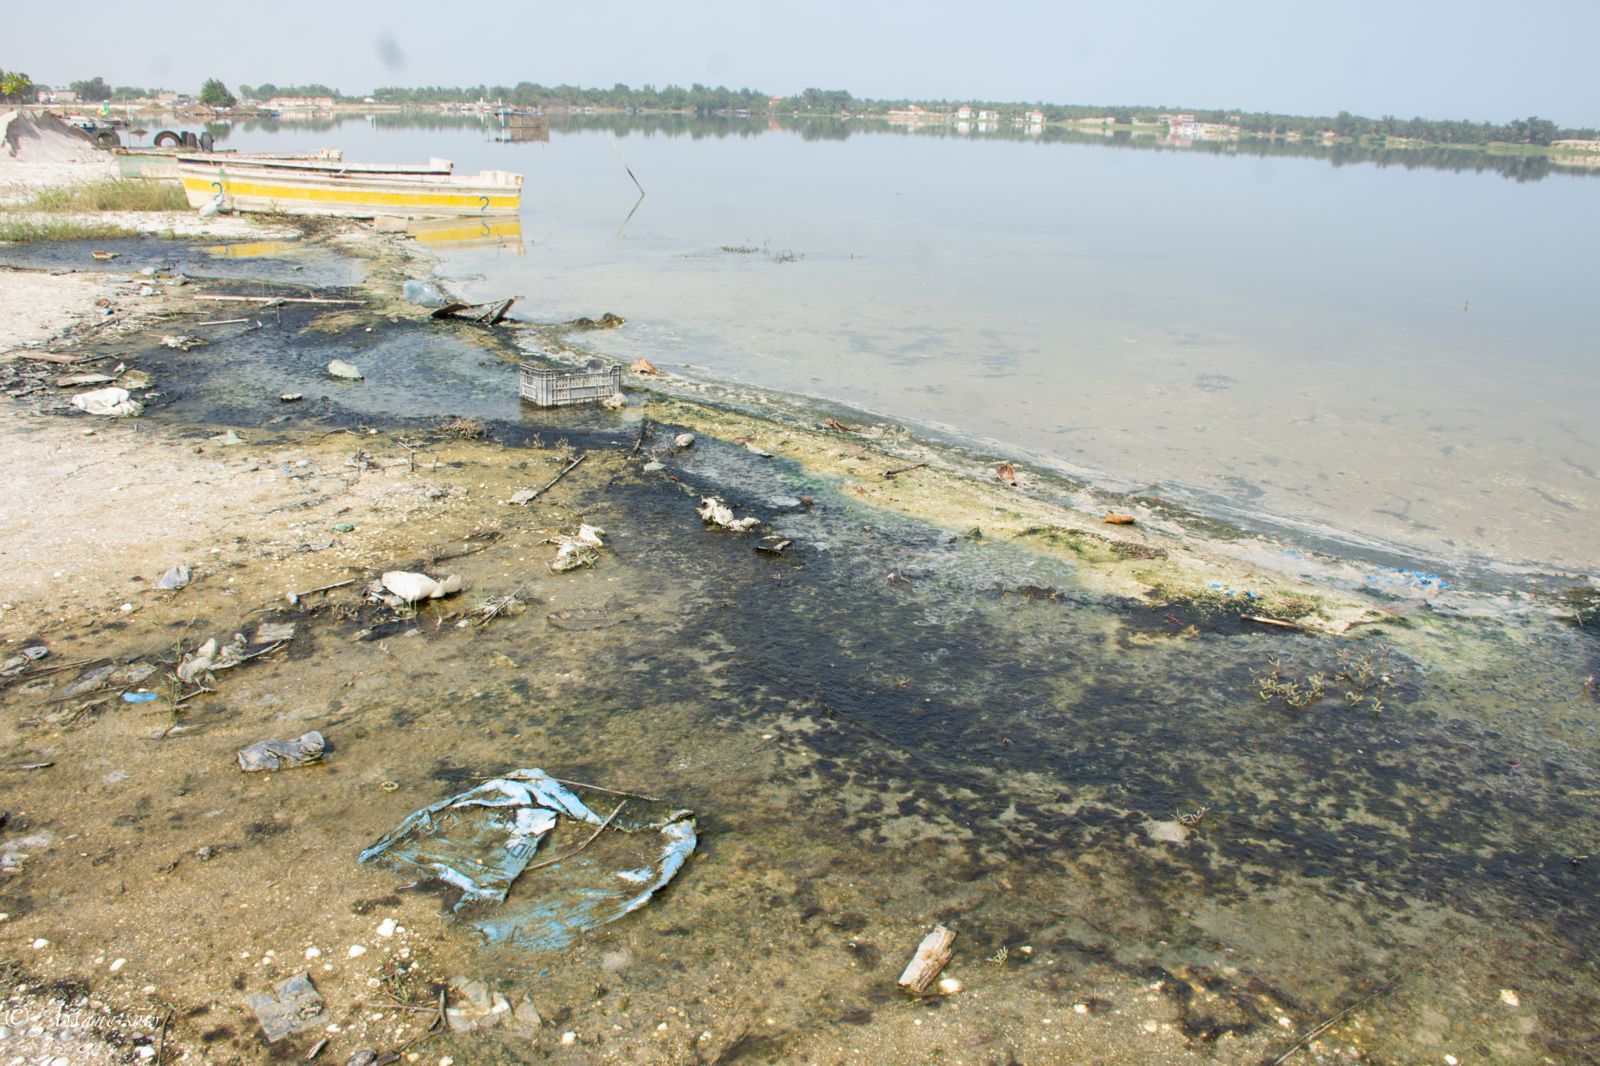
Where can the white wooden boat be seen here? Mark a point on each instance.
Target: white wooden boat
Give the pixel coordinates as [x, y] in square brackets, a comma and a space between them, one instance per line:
[349, 190]
[163, 162]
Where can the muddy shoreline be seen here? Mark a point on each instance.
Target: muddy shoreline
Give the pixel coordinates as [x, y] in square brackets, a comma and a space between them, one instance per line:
[950, 700]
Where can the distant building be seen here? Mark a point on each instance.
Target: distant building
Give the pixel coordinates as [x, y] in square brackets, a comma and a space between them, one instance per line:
[57, 96]
[1035, 117]
[964, 113]
[301, 103]
[988, 116]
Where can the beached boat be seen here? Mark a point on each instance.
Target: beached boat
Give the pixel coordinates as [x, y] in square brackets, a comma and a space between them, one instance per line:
[350, 190]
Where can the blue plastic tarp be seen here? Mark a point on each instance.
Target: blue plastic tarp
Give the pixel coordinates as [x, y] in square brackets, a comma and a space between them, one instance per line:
[482, 840]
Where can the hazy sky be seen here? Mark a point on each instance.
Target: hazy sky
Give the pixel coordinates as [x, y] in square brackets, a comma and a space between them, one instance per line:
[1436, 58]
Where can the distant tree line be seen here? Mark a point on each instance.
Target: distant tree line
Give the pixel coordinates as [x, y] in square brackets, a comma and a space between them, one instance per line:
[266, 91]
[702, 99]
[705, 100]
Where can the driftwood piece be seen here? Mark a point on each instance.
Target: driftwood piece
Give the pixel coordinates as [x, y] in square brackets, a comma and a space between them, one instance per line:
[932, 956]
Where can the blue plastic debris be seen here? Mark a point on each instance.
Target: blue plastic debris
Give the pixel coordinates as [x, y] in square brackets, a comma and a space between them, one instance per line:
[482, 840]
[140, 697]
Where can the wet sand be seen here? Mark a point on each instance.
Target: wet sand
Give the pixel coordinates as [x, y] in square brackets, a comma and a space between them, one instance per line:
[951, 700]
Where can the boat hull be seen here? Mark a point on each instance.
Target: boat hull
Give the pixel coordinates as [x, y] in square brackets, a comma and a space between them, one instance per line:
[163, 162]
[351, 194]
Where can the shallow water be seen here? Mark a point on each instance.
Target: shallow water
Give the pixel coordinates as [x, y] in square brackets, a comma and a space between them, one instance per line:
[1380, 354]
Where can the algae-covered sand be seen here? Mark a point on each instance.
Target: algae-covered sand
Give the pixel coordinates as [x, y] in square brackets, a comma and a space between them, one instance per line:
[1178, 804]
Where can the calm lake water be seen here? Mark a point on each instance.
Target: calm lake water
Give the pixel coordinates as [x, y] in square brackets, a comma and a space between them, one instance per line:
[1383, 356]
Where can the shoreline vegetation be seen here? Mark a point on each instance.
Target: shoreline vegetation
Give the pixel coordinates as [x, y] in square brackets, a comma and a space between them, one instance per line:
[1532, 137]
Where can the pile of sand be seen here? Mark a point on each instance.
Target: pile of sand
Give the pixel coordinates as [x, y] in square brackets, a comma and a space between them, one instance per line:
[44, 138]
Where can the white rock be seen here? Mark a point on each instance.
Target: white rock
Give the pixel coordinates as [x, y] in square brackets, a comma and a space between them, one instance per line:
[313, 953]
[117, 964]
[1510, 998]
[386, 928]
[569, 1038]
[684, 440]
[340, 369]
[40, 944]
[949, 986]
[356, 951]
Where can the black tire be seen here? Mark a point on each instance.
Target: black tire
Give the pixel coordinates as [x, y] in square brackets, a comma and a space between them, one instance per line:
[106, 138]
[190, 141]
[167, 138]
[207, 142]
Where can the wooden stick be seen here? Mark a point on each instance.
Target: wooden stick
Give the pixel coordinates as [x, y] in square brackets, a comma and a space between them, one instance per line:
[607, 791]
[278, 299]
[558, 477]
[223, 322]
[563, 858]
[891, 474]
[644, 426]
[1329, 1024]
[1261, 619]
[294, 597]
[932, 956]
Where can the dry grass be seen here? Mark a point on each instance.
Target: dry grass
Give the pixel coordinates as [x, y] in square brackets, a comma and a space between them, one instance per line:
[110, 194]
[463, 428]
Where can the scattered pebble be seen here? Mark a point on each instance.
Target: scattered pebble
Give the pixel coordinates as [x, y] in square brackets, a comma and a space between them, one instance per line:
[949, 986]
[356, 951]
[40, 944]
[117, 964]
[568, 1039]
[313, 953]
[1510, 998]
[386, 928]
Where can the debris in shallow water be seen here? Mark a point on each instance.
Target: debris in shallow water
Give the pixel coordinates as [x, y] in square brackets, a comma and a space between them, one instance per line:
[111, 402]
[1114, 519]
[490, 314]
[714, 512]
[755, 449]
[933, 954]
[291, 1006]
[773, 545]
[890, 475]
[277, 754]
[683, 440]
[581, 549]
[340, 369]
[1006, 473]
[838, 426]
[175, 578]
[643, 366]
[586, 618]
[482, 840]
[615, 402]
[180, 342]
[292, 397]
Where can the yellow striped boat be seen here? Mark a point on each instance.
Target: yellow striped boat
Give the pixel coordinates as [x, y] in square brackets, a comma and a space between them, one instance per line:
[349, 190]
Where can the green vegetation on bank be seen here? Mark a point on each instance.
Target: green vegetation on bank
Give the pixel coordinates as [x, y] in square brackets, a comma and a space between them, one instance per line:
[23, 230]
[111, 194]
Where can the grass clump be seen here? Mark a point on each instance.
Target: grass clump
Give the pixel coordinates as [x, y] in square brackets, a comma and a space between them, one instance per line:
[60, 229]
[463, 428]
[109, 194]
